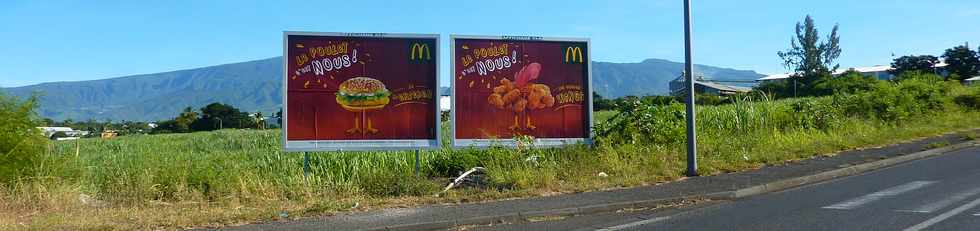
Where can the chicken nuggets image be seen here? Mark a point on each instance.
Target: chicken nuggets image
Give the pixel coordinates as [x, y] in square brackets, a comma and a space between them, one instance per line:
[520, 95]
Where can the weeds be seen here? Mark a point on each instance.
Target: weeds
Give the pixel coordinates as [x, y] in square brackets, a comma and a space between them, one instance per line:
[233, 176]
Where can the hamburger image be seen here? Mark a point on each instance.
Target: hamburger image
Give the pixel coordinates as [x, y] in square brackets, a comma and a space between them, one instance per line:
[362, 93]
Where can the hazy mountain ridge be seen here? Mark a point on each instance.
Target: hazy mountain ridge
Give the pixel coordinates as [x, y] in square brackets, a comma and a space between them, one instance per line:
[256, 86]
[651, 77]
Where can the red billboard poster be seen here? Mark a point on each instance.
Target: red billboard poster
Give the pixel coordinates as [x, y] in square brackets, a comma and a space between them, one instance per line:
[359, 91]
[507, 87]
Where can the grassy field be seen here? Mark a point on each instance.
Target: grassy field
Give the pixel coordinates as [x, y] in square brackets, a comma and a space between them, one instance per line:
[235, 176]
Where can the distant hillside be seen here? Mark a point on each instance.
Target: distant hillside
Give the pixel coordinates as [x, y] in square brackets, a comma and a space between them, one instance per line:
[651, 77]
[252, 86]
[255, 86]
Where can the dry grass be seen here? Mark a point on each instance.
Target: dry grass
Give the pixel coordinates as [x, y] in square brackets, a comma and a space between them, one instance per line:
[231, 177]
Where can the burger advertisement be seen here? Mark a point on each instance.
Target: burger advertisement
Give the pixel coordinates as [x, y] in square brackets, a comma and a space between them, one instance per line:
[507, 87]
[346, 91]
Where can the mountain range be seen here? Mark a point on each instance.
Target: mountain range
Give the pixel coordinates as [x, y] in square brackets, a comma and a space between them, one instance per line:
[256, 86]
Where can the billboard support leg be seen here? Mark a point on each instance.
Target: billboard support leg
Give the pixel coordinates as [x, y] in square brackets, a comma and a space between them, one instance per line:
[306, 167]
[418, 162]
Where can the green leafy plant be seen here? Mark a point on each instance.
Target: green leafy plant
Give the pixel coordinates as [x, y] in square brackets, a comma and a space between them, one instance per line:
[21, 144]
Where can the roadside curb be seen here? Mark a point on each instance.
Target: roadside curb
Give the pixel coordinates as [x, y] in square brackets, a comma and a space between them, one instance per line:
[836, 173]
[524, 216]
[724, 195]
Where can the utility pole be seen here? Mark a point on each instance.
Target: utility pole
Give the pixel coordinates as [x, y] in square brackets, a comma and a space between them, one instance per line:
[692, 161]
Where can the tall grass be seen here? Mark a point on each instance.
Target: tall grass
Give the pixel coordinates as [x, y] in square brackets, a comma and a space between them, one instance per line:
[230, 176]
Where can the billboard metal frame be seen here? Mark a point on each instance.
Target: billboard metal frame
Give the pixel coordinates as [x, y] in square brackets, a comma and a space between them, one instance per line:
[356, 145]
[537, 142]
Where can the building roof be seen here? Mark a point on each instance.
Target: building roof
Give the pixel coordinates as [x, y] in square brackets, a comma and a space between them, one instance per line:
[56, 129]
[774, 77]
[724, 87]
[875, 68]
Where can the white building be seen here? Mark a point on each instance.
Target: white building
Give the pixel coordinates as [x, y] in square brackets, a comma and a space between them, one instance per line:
[881, 72]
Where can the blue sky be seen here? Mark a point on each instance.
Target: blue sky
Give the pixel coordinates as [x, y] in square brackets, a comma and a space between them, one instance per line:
[45, 41]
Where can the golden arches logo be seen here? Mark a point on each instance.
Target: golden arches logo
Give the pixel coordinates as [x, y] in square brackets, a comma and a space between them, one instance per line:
[422, 50]
[573, 55]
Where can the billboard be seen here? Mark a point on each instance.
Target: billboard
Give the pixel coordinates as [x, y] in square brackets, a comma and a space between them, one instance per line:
[359, 91]
[508, 86]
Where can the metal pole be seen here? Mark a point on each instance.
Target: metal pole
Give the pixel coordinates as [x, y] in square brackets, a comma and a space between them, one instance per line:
[306, 166]
[692, 162]
[418, 162]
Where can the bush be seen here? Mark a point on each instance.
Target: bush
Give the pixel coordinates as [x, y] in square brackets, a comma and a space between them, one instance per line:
[913, 95]
[640, 122]
[817, 113]
[970, 100]
[850, 82]
[454, 163]
[21, 144]
[387, 184]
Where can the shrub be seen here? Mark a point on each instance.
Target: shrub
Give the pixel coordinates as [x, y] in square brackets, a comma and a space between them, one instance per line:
[911, 96]
[849, 82]
[21, 144]
[388, 184]
[970, 100]
[817, 113]
[450, 165]
[640, 122]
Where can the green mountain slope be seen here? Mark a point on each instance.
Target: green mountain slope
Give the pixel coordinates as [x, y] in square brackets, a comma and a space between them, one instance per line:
[255, 86]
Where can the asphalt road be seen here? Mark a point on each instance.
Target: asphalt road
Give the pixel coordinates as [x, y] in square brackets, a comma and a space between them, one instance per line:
[939, 193]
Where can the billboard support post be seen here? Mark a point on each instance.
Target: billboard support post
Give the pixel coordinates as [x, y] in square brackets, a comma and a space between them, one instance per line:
[692, 162]
[306, 167]
[418, 162]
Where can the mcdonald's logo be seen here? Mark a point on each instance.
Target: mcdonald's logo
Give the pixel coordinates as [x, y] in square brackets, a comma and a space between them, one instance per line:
[420, 52]
[573, 54]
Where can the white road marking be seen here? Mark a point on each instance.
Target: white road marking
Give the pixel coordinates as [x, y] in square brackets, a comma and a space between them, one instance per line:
[634, 224]
[889, 192]
[932, 207]
[944, 216]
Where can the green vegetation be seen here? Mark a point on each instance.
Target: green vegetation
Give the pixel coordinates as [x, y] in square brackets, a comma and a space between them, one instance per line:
[212, 117]
[21, 145]
[963, 62]
[810, 59]
[919, 63]
[230, 176]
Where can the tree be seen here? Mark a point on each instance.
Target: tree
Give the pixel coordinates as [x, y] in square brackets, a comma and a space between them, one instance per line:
[217, 115]
[963, 62]
[601, 104]
[810, 58]
[279, 116]
[920, 63]
[21, 144]
[183, 122]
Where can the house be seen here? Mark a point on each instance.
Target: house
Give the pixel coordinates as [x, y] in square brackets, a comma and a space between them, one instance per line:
[678, 86]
